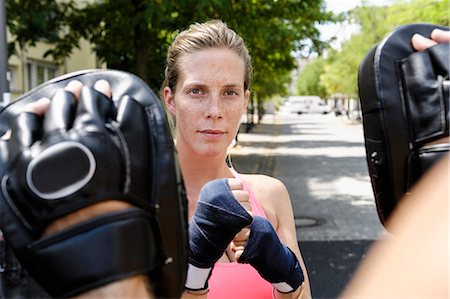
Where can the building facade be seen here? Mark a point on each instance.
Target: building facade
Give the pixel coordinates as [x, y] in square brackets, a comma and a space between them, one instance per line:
[29, 68]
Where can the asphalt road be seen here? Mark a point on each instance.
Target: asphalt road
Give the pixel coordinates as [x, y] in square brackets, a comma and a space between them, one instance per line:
[321, 160]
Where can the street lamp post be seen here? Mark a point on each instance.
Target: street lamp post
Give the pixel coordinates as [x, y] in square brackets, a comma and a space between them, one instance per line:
[4, 85]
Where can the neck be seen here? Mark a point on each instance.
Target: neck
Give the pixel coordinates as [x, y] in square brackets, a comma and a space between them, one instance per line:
[198, 170]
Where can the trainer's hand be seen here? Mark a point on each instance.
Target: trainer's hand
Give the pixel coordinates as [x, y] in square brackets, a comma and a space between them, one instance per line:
[421, 43]
[39, 108]
[274, 261]
[49, 198]
[216, 221]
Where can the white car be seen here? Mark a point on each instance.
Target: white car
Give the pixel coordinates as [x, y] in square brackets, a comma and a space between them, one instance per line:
[308, 104]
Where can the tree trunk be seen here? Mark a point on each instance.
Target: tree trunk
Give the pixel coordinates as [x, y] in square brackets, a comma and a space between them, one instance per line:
[141, 42]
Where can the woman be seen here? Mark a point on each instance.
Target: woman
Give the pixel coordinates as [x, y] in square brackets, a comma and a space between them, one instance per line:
[205, 92]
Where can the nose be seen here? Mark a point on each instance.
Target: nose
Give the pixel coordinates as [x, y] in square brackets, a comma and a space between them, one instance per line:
[214, 109]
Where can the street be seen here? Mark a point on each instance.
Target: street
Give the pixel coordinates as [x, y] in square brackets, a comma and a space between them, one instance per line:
[321, 160]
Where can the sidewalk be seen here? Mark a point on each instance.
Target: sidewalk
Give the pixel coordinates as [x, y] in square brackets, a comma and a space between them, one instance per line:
[254, 151]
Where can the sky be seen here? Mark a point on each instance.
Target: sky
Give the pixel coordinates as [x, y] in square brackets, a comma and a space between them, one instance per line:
[338, 6]
[345, 5]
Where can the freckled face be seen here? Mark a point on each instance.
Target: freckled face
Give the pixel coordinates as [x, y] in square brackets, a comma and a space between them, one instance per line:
[209, 100]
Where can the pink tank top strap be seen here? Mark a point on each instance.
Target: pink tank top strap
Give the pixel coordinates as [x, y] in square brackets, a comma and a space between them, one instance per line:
[256, 207]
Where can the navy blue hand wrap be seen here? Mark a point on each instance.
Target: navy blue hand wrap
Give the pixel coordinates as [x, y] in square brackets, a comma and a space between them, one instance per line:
[274, 261]
[217, 219]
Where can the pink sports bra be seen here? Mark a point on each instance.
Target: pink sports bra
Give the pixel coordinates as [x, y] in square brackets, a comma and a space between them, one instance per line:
[234, 280]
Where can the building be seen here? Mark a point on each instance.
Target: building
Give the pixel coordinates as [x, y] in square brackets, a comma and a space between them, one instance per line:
[29, 68]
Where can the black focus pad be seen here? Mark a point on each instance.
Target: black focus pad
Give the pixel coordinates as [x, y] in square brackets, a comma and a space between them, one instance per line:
[404, 98]
[425, 84]
[47, 179]
[82, 153]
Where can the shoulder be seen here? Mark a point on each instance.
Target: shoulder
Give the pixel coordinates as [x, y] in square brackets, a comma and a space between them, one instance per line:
[265, 185]
[271, 194]
[264, 181]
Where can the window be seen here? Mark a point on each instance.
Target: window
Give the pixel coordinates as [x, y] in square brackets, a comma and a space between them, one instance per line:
[11, 75]
[39, 72]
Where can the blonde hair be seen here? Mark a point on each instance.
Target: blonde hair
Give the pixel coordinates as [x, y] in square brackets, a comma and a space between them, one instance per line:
[211, 34]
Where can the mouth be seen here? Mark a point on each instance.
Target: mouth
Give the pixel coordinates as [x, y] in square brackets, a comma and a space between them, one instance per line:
[211, 132]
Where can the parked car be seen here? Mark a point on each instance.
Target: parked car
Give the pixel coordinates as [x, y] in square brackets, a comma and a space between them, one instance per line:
[308, 104]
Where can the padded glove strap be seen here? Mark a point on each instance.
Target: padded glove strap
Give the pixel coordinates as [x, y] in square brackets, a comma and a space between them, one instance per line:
[80, 253]
[426, 84]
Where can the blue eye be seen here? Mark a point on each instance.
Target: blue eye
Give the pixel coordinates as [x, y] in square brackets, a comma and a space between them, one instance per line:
[231, 93]
[196, 92]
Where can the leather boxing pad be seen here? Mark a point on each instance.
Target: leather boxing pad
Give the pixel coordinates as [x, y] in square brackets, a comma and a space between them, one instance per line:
[167, 201]
[404, 98]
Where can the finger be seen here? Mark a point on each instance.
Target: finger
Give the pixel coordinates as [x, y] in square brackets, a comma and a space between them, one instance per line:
[26, 128]
[234, 248]
[230, 252]
[238, 253]
[61, 112]
[440, 36]
[74, 87]
[133, 124]
[103, 87]
[421, 43]
[6, 136]
[240, 195]
[94, 110]
[241, 237]
[243, 198]
[235, 184]
[39, 107]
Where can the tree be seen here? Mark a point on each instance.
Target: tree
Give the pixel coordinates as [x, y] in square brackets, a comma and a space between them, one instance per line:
[133, 35]
[340, 67]
[308, 83]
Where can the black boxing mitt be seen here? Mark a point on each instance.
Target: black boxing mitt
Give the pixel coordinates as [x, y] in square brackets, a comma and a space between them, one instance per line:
[404, 98]
[80, 154]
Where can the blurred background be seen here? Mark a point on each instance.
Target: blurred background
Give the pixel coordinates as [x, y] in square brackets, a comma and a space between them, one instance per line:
[299, 47]
[303, 123]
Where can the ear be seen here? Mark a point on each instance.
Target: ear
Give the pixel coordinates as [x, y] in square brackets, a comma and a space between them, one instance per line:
[246, 99]
[169, 100]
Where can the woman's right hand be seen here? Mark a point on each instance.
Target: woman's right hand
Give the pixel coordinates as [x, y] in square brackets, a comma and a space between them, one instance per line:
[237, 246]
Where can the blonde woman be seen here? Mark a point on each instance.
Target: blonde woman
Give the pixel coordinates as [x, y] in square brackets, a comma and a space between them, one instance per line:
[206, 90]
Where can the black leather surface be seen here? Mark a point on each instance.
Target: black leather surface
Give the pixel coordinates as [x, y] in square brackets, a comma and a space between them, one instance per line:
[166, 179]
[405, 106]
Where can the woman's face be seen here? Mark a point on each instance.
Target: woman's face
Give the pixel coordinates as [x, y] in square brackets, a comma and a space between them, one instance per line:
[209, 100]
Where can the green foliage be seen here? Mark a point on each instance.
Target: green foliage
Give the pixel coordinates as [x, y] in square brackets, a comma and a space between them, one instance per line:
[33, 21]
[430, 11]
[340, 67]
[133, 35]
[307, 82]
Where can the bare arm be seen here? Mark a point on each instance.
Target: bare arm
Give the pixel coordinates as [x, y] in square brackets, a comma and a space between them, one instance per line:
[276, 202]
[413, 263]
[286, 230]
